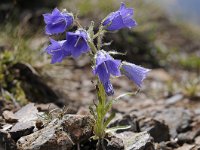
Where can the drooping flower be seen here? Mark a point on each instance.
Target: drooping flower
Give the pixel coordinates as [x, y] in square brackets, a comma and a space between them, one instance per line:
[56, 50]
[121, 18]
[57, 22]
[76, 43]
[106, 66]
[135, 73]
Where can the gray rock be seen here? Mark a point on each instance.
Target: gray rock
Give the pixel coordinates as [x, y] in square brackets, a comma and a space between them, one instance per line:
[136, 141]
[21, 129]
[126, 120]
[174, 99]
[158, 130]
[59, 134]
[178, 119]
[27, 113]
[114, 143]
[48, 138]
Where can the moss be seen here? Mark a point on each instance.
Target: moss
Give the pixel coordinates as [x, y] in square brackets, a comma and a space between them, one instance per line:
[7, 80]
[191, 62]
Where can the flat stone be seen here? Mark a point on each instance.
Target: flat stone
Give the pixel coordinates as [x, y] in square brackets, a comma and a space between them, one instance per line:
[27, 113]
[48, 138]
[21, 129]
[136, 141]
[174, 99]
[9, 117]
[59, 134]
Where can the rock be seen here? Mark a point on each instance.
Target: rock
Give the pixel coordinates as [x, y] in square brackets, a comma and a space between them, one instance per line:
[174, 99]
[48, 138]
[21, 129]
[186, 147]
[136, 141]
[59, 134]
[126, 120]
[27, 113]
[178, 119]
[158, 130]
[79, 127]
[9, 117]
[6, 141]
[46, 107]
[36, 90]
[197, 140]
[114, 143]
[83, 111]
[169, 145]
[187, 137]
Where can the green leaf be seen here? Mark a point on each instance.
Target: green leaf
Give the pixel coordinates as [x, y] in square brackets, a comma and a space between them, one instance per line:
[113, 129]
[110, 118]
[91, 30]
[108, 107]
[125, 94]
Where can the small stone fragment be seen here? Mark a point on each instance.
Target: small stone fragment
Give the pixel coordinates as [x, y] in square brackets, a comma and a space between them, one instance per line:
[114, 143]
[174, 99]
[9, 117]
[21, 129]
[197, 140]
[46, 107]
[136, 141]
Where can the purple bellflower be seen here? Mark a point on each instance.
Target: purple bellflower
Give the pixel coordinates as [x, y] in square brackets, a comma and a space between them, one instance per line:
[76, 43]
[135, 73]
[57, 22]
[106, 66]
[121, 18]
[56, 50]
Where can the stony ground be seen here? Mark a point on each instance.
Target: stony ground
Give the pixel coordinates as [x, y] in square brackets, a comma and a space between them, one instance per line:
[163, 114]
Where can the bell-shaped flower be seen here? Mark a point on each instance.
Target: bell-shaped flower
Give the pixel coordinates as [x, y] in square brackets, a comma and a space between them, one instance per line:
[121, 18]
[76, 43]
[57, 22]
[56, 50]
[135, 73]
[106, 66]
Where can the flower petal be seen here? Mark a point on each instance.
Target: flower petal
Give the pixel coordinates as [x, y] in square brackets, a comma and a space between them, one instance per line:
[135, 73]
[108, 88]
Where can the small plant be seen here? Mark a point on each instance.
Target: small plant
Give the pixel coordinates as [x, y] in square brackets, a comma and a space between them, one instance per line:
[103, 64]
